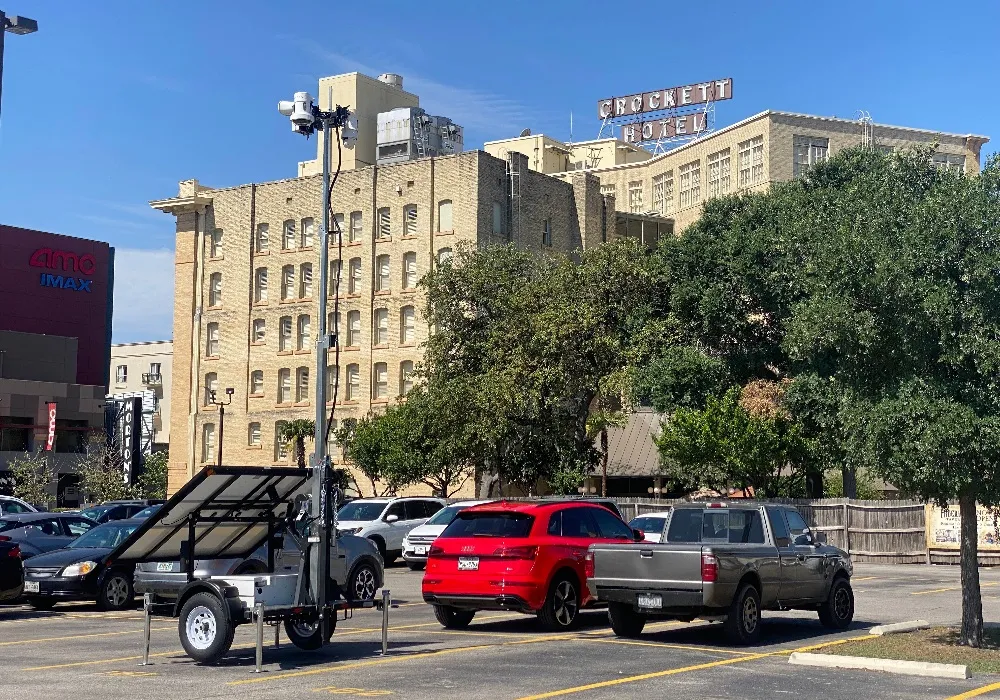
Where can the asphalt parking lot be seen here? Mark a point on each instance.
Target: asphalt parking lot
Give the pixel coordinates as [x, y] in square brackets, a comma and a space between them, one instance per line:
[75, 650]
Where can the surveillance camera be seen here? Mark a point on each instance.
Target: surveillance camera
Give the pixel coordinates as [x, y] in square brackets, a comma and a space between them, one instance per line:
[300, 112]
[349, 132]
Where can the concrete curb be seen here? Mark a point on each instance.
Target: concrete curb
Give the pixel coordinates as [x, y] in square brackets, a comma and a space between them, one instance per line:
[898, 627]
[906, 668]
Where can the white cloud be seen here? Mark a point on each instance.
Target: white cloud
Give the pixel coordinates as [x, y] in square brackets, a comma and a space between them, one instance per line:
[144, 295]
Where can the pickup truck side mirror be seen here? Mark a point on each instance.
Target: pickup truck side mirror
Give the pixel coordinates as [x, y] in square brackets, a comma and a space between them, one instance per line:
[820, 538]
[804, 538]
[638, 535]
[391, 518]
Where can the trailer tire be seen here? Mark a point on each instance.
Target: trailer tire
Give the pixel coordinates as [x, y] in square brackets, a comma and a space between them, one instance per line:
[743, 621]
[625, 621]
[306, 635]
[205, 628]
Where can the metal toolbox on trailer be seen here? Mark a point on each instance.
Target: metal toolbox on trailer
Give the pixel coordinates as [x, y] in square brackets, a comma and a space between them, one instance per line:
[270, 590]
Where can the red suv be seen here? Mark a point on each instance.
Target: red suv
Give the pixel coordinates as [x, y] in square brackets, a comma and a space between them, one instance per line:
[521, 556]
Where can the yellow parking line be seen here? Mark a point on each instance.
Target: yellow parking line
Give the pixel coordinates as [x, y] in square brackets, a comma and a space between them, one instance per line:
[949, 588]
[976, 692]
[863, 578]
[80, 636]
[630, 642]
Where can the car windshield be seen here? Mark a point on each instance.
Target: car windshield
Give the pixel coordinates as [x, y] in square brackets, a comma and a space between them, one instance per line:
[489, 524]
[106, 536]
[361, 510]
[95, 513]
[146, 512]
[647, 524]
[445, 515]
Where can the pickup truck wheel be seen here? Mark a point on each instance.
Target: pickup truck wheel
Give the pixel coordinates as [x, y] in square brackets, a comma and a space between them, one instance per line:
[205, 631]
[625, 621]
[743, 621]
[453, 618]
[838, 610]
[306, 635]
[562, 606]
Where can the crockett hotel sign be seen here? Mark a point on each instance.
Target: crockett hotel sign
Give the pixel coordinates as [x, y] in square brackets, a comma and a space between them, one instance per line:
[672, 101]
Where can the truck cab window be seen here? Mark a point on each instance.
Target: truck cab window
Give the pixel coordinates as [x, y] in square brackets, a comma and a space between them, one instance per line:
[685, 526]
[715, 526]
[779, 531]
[796, 526]
[745, 527]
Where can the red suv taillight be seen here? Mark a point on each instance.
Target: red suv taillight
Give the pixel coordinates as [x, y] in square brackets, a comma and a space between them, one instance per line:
[435, 551]
[588, 565]
[4, 538]
[521, 552]
[15, 553]
[709, 568]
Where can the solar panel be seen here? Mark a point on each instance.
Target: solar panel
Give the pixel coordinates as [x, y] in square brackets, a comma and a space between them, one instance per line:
[229, 509]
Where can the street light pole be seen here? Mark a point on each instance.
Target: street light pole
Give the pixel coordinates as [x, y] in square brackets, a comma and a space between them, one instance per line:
[222, 419]
[14, 25]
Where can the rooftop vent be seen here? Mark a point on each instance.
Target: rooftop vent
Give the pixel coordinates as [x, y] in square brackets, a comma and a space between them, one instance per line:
[394, 79]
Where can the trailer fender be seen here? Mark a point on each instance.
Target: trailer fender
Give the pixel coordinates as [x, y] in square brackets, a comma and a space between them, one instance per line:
[229, 596]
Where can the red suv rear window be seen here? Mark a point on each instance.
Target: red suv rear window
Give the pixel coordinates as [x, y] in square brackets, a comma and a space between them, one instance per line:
[489, 524]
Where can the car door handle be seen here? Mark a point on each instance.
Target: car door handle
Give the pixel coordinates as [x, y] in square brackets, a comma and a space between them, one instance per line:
[646, 553]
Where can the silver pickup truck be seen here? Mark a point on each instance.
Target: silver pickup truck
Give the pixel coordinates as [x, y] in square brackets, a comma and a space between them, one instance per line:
[723, 561]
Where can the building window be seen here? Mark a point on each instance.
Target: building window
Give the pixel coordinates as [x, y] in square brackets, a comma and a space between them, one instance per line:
[308, 226]
[380, 383]
[333, 286]
[444, 216]
[353, 383]
[302, 384]
[405, 377]
[718, 173]
[547, 232]
[260, 285]
[211, 386]
[154, 369]
[288, 282]
[751, 162]
[384, 223]
[410, 220]
[288, 235]
[253, 435]
[333, 324]
[121, 374]
[809, 150]
[332, 379]
[259, 334]
[305, 281]
[407, 325]
[409, 270]
[356, 227]
[948, 161]
[212, 340]
[354, 283]
[381, 326]
[498, 218]
[383, 270]
[607, 190]
[257, 382]
[207, 442]
[444, 255]
[690, 188]
[304, 333]
[635, 197]
[284, 333]
[284, 385]
[215, 289]
[261, 242]
[337, 229]
[216, 244]
[658, 194]
[353, 329]
[280, 441]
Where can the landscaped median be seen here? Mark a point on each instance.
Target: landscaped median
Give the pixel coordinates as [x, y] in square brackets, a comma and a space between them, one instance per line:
[925, 652]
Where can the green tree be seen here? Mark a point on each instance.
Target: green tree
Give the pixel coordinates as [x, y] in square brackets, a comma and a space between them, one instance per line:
[296, 432]
[32, 477]
[102, 472]
[153, 479]
[372, 445]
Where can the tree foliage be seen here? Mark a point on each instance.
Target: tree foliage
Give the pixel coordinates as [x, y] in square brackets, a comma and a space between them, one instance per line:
[32, 476]
[296, 432]
[102, 470]
[153, 479]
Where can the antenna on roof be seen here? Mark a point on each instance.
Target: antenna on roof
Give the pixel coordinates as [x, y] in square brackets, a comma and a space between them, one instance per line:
[524, 132]
[867, 128]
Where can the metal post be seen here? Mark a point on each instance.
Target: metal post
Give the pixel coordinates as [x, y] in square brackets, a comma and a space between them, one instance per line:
[147, 614]
[258, 612]
[222, 423]
[3, 30]
[385, 621]
[277, 636]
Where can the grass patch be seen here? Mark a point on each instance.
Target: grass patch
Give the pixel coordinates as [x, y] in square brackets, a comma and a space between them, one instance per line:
[938, 645]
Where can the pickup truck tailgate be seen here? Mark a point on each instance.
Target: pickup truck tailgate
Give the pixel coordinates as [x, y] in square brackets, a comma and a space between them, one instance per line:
[621, 572]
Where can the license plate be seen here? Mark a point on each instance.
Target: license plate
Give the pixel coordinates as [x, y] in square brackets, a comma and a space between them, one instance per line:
[31, 587]
[420, 550]
[165, 566]
[650, 601]
[468, 563]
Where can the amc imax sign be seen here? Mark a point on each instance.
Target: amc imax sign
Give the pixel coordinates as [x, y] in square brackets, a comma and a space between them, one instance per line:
[64, 261]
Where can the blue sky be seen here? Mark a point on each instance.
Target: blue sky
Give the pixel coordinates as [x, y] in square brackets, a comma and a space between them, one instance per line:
[112, 103]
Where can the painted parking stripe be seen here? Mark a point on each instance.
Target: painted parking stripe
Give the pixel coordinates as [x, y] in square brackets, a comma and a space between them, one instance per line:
[950, 588]
[80, 636]
[686, 647]
[975, 692]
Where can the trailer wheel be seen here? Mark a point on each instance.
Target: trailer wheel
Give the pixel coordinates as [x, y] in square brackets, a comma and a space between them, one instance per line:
[306, 635]
[205, 630]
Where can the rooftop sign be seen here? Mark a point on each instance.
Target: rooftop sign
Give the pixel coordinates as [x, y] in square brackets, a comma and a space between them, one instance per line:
[670, 98]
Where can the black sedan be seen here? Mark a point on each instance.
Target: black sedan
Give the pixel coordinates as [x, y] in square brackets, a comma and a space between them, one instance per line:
[11, 572]
[79, 571]
[37, 533]
[108, 512]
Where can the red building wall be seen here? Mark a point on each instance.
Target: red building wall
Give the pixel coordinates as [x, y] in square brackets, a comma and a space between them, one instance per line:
[59, 285]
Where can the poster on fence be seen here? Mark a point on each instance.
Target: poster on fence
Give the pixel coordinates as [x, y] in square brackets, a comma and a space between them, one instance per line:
[944, 527]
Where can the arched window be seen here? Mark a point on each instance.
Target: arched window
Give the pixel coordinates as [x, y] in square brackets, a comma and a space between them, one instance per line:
[257, 382]
[284, 385]
[353, 329]
[444, 216]
[285, 333]
[260, 285]
[384, 223]
[302, 384]
[305, 333]
[215, 289]
[410, 220]
[207, 443]
[380, 381]
[382, 273]
[305, 281]
[259, 333]
[211, 385]
[280, 442]
[354, 283]
[261, 242]
[253, 435]
[409, 270]
[407, 325]
[444, 255]
[405, 377]
[288, 282]
[353, 383]
[306, 239]
[381, 326]
[212, 340]
[288, 235]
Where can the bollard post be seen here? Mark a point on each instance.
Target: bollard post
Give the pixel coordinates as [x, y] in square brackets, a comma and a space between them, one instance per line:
[147, 614]
[277, 635]
[385, 621]
[259, 612]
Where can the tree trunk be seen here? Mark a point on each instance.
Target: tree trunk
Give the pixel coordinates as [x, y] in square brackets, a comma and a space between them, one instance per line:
[814, 484]
[972, 601]
[850, 482]
[604, 462]
[300, 452]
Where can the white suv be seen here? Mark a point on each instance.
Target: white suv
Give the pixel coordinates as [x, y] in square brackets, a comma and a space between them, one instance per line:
[11, 506]
[418, 542]
[386, 521]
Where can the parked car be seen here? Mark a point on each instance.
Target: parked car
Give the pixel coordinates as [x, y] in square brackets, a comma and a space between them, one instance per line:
[594, 500]
[146, 512]
[386, 521]
[11, 506]
[114, 510]
[78, 572]
[419, 540]
[724, 560]
[358, 575]
[518, 555]
[37, 533]
[11, 572]
[650, 524]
